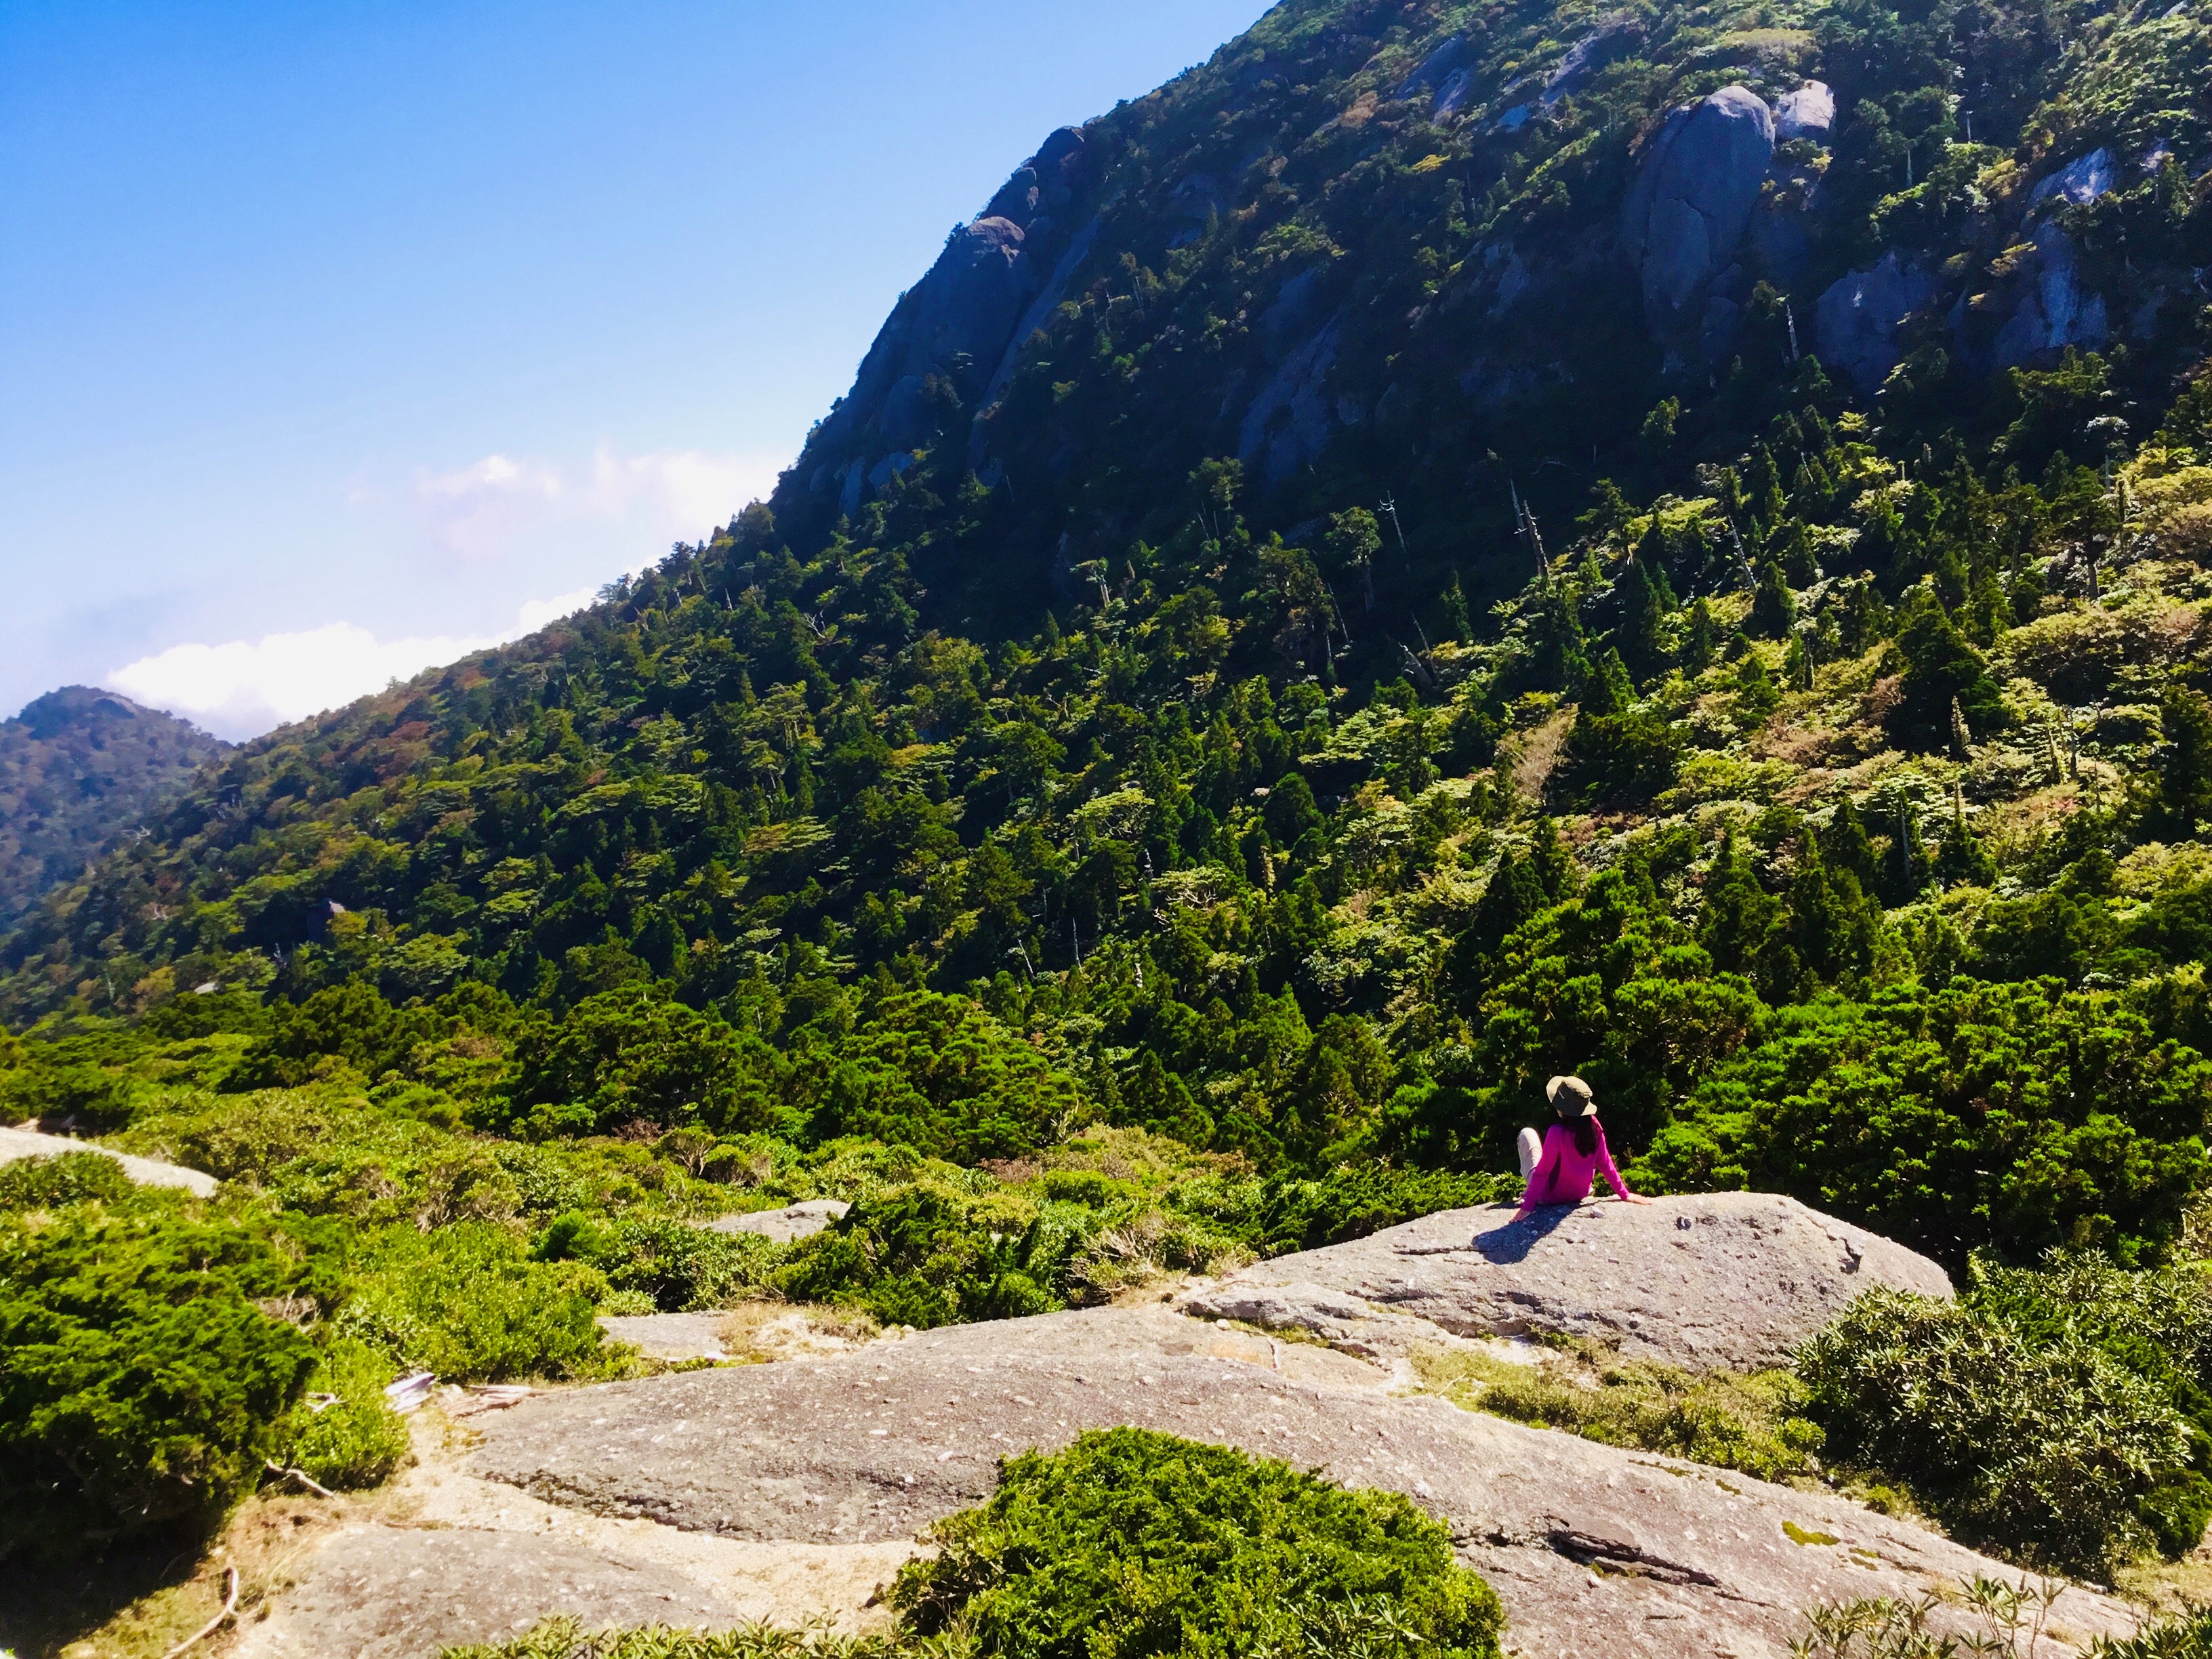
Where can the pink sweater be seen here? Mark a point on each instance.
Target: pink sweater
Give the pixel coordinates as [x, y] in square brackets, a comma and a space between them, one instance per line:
[1562, 1174]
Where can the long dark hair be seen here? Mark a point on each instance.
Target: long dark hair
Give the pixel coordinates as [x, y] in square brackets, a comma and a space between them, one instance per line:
[1584, 1130]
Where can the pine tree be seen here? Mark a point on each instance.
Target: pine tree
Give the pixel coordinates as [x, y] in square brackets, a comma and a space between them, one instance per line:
[1555, 869]
[1738, 914]
[1452, 612]
[1773, 607]
[1647, 602]
[1960, 858]
[1846, 845]
[2185, 776]
[1697, 648]
[1797, 666]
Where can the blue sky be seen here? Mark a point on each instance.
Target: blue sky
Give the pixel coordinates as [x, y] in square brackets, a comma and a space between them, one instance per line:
[336, 338]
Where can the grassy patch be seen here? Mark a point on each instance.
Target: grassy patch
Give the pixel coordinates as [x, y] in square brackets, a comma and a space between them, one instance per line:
[1748, 1423]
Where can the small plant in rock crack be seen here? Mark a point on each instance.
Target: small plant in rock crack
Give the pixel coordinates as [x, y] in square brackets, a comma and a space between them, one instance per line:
[2186, 1636]
[2008, 1619]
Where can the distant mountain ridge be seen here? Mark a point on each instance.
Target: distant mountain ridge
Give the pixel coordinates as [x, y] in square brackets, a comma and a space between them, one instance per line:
[77, 767]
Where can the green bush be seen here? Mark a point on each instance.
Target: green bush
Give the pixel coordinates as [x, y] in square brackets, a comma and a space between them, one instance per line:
[2021, 1116]
[140, 1386]
[674, 1264]
[2047, 1451]
[2189, 1636]
[637, 1053]
[355, 1440]
[927, 1253]
[468, 1303]
[1134, 1543]
[941, 1075]
[1355, 1199]
[47, 1183]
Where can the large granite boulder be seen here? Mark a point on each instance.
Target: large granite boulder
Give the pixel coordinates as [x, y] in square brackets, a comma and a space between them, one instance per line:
[2054, 307]
[1716, 1281]
[2077, 184]
[1593, 1549]
[1807, 113]
[1695, 188]
[1857, 320]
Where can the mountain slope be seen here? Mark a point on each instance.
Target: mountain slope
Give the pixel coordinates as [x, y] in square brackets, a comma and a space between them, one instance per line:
[77, 767]
[1671, 546]
[1849, 684]
[1412, 251]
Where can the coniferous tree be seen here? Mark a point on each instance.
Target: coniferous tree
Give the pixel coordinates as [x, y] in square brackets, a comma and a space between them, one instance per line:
[1773, 607]
[2185, 772]
[1697, 648]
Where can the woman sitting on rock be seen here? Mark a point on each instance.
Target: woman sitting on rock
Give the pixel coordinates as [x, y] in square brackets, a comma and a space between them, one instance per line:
[1559, 1168]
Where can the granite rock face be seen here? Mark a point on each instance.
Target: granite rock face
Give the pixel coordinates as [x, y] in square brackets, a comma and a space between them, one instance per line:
[2055, 308]
[2077, 184]
[388, 1593]
[1717, 1281]
[1857, 320]
[1593, 1549]
[1685, 216]
[962, 322]
[1807, 113]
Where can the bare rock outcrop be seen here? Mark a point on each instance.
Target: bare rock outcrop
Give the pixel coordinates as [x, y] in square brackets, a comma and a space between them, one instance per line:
[146, 1172]
[963, 323]
[786, 1225]
[1593, 1549]
[1807, 113]
[1719, 1281]
[1685, 216]
[1858, 316]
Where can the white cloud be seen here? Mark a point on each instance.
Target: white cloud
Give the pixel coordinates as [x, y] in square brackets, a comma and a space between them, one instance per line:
[244, 688]
[503, 507]
[486, 509]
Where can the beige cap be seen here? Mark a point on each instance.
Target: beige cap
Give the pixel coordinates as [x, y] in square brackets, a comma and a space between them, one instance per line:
[1570, 1097]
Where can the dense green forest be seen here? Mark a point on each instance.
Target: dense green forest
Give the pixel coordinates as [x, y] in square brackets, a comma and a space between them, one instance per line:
[77, 767]
[1124, 838]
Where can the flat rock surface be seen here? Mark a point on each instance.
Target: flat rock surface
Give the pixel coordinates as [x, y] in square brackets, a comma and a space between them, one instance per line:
[786, 1225]
[443, 1558]
[668, 1335]
[397, 1592]
[1595, 1551]
[146, 1172]
[1717, 1280]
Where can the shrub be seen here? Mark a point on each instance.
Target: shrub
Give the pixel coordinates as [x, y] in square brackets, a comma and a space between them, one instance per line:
[1355, 1199]
[672, 1264]
[636, 1052]
[47, 1183]
[2188, 1637]
[2045, 1451]
[2021, 1116]
[927, 1254]
[356, 1439]
[941, 1075]
[1135, 1543]
[140, 1386]
[468, 1303]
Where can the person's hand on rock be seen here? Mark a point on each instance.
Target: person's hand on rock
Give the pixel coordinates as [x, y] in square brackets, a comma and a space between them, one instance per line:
[1634, 1198]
